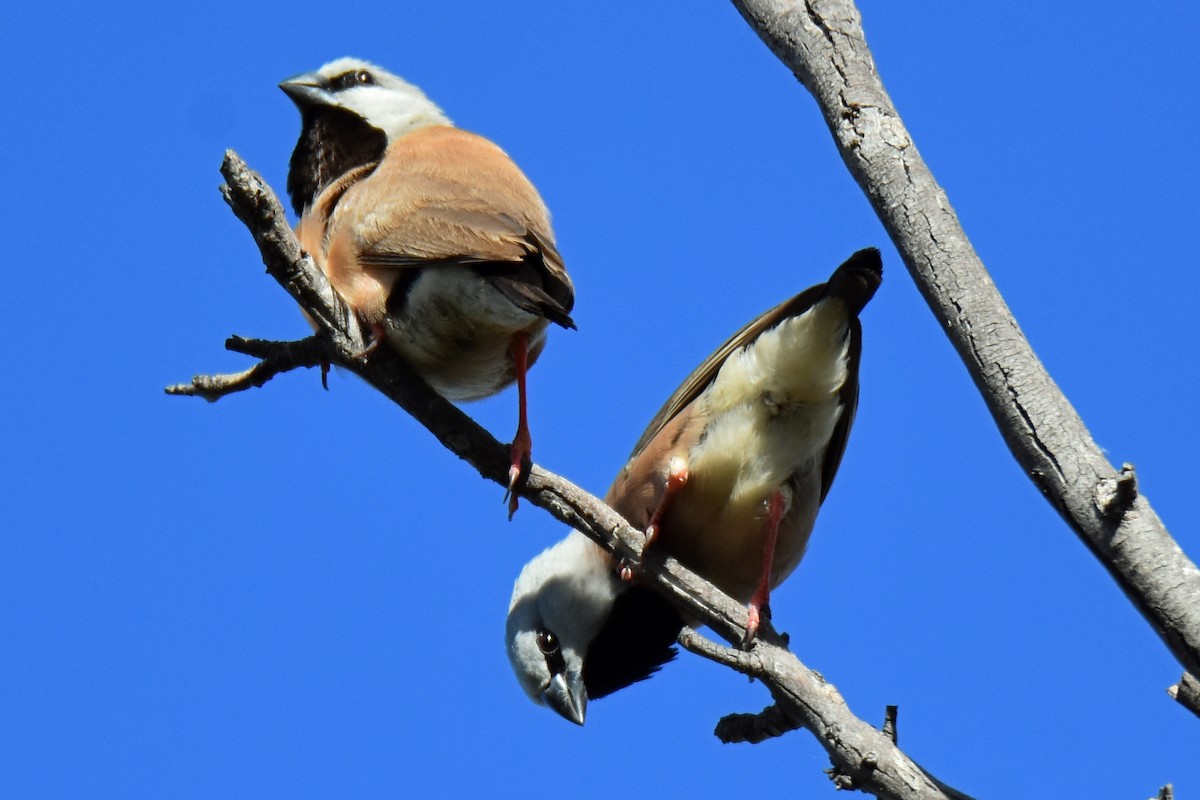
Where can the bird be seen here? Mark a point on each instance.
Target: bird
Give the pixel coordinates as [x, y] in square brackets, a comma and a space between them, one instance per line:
[727, 478]
[431, 234]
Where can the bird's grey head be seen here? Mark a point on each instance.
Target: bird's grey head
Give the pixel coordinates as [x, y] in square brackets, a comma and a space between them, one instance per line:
[559, 604]
[380, 98]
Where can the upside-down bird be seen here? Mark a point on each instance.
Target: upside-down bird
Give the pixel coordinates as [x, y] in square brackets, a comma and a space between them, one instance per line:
[727, 478]
[431, 234]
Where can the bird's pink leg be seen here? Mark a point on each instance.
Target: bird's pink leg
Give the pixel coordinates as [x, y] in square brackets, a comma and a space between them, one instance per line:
[522, 444]
[776, 505]
[677, 478]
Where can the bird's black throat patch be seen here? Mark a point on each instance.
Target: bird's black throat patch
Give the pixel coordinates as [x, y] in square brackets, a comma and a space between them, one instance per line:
[634, 643]
[332, 142]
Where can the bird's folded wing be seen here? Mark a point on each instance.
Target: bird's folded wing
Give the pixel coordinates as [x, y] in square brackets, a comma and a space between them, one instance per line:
[443, 196]
[461, 231]
[849, 397]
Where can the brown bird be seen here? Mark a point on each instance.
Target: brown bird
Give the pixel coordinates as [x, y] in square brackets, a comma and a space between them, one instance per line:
[728, 478]
[431, 234]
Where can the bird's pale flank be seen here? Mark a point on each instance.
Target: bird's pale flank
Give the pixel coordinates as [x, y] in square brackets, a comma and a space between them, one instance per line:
[728, 478]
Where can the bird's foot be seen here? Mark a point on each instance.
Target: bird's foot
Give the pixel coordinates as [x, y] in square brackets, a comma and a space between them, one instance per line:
[751, 627]
[521, 451]
[758, 616]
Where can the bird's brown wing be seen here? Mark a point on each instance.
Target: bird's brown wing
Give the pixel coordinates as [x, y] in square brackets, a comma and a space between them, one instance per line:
[443, 196]
[849, 398]
[855, 282]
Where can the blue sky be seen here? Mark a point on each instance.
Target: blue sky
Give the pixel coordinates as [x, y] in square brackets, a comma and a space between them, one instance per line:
[298, 593]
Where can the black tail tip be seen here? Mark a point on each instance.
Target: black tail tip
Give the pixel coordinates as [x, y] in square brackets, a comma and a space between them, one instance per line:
[856, 280]
[560, 318]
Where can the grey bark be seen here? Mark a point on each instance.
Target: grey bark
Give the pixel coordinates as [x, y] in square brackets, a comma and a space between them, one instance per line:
[822, 42]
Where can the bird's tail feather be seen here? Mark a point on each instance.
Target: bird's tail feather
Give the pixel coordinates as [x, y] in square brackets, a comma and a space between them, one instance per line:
[856, 280]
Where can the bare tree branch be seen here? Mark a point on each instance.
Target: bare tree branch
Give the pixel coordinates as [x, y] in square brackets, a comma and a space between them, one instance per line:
[802, 697]
[276, 357]
[822, 42]
[863, 758]
[257, 206]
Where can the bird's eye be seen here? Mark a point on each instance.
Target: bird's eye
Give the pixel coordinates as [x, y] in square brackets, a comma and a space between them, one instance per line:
[348, 80]
[547, 643]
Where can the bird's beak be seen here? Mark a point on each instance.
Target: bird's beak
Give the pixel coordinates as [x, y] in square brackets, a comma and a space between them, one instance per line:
[569, 700]
[308, 89]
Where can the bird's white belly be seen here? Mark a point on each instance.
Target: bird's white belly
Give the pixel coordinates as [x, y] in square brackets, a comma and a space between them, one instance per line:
[774, 406]
[750, 452]
[455, 329]
[773, 409]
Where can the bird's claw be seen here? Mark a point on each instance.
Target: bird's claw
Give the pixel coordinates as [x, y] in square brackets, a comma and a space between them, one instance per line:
[652, 531]
[510, 495]
[758, 620]
[752, 624]
[520, 452]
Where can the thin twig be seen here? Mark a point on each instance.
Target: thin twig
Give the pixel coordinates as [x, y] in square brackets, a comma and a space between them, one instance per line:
[745, 662]
[277, 358]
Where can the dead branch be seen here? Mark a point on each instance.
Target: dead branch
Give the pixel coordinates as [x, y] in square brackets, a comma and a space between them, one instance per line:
[802, 697]
[277, 357]
[822, 42]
